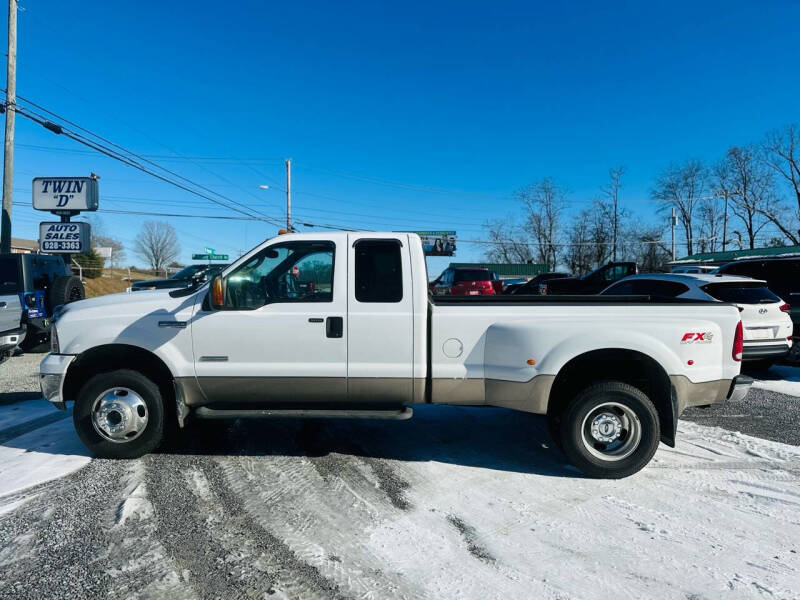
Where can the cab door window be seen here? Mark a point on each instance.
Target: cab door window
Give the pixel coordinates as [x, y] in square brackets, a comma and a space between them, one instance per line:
[287, 272]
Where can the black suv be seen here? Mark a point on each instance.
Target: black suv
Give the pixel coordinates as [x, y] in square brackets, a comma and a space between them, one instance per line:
[31, 286]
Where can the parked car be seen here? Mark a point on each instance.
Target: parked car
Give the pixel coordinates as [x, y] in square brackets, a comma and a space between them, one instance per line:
[591, 283]
[465, 281]
[610, 374]
[692, 269]
[781, 274]
[31, 287]
[765, 317]
[534, 286]
[512, 283]
[187, 276]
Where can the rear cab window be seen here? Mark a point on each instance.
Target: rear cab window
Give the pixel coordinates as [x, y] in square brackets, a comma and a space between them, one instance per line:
[378, 271]
[741, 292]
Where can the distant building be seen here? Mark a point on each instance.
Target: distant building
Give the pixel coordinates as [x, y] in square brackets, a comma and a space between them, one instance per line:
[20, 246]
[507, 270]
[721, 258]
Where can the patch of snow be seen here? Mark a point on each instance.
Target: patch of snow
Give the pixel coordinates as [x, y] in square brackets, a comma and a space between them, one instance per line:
[136, 504]
[18, 413]
[40, 455]
[780, 379]
[491, 515]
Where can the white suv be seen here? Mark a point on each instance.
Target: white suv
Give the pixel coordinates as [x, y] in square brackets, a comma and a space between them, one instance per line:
[765, 317]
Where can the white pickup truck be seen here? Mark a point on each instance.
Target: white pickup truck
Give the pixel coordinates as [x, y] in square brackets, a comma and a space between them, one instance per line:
[342, 325]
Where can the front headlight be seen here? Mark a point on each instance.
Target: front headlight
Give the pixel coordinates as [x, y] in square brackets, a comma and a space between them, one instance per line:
[54, 349]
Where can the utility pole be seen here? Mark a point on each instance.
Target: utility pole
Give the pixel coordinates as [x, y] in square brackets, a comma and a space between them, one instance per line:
[8, 154]
[289, 194]
[673, 221]
[725, 222]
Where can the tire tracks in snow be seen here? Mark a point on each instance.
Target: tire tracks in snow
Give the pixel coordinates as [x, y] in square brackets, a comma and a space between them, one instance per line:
[58, 546]
[217, 546]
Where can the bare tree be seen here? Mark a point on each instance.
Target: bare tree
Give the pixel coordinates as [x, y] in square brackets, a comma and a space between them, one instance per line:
[508, 243]
[648, 249]
[544, 201]
[579, 252]
[157, 244]
[611, 192]
[752, 194]
[711, 218]
[782, 153]
[682, 186]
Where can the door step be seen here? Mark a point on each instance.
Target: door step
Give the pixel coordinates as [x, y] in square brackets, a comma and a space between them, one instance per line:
[396, 413]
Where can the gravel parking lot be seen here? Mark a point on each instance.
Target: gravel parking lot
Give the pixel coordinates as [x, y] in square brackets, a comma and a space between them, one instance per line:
[455, 503]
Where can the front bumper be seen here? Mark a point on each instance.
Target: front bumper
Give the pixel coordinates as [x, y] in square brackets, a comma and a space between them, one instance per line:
[52, 371]
[11, 339]
[758, 351]
[739, 388]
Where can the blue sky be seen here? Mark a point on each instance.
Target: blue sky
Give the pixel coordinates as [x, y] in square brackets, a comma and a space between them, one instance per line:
[403, 116]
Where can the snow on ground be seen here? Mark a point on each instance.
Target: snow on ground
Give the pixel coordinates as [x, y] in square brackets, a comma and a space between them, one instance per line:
[719, 516]
[37, 444]
[781, 379]
[455, 503]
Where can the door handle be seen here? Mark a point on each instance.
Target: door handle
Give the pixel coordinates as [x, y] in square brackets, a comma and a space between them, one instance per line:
[3, 304]
[334, 327]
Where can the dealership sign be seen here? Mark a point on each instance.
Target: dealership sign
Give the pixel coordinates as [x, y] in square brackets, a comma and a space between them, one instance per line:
[65, 193]
[438, 243]
[64, 237]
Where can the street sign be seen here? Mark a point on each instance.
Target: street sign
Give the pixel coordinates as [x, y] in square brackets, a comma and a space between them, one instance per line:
[209, 257]
[69, 238]
[65, 193]
[210, 250]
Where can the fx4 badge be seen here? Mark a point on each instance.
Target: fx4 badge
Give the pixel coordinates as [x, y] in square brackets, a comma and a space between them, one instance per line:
[697, 337]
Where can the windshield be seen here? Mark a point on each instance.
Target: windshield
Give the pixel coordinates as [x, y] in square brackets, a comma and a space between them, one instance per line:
[741, 293]
[472, 275]
[188, 272]
[9, 275]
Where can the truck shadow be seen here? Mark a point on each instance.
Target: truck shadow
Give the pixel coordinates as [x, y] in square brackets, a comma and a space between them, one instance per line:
[483, 437]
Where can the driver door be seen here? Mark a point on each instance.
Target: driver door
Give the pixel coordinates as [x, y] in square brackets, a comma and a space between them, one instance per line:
[281, 336]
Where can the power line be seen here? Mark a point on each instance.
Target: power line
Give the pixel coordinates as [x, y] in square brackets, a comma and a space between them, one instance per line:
[119, 156]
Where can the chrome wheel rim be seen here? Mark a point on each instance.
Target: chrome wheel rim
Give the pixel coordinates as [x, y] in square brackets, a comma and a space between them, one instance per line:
[611, 431]
[119, 415]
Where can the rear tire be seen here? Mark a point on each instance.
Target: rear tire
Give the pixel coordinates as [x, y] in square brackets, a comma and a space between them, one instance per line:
[610, 430]
[120, 414]
[63, 290]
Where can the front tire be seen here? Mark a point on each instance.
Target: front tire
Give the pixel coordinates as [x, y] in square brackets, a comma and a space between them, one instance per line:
[119, 414]
[610, 430]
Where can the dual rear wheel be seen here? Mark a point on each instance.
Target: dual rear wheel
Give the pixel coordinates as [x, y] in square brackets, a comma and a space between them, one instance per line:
[609, 430]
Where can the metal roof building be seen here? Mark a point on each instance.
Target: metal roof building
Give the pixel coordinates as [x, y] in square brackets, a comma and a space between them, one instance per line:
[720, 258]
[506, 270]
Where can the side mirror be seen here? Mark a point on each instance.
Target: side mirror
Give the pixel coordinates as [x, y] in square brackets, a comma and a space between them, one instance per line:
[217, 298]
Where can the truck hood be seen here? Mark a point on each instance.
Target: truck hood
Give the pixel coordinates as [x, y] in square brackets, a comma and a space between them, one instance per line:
[127, 318]
[125, 306]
